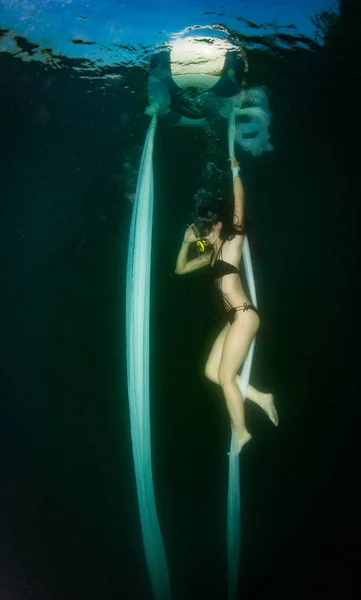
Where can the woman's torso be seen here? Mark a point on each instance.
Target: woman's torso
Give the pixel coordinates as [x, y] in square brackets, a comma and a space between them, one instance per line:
[229, 285]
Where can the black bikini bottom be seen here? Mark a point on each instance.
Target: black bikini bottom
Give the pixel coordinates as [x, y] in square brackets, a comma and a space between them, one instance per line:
[232, 313]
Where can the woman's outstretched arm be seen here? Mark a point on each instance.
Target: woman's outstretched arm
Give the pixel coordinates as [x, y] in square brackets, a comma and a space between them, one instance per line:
[238, 192]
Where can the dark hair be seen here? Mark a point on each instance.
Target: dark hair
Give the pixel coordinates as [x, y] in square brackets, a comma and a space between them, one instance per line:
[208, 212]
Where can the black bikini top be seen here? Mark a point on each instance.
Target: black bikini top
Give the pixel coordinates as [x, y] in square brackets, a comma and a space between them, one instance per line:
[221, 268]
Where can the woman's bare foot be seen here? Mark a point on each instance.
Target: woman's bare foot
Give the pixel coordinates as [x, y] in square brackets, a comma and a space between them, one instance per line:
[267, 404]
[242, 439]
[264, 401]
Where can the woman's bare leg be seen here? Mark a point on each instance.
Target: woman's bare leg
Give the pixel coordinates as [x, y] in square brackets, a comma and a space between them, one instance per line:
[264, 401]
[235, 406]
[236, 345]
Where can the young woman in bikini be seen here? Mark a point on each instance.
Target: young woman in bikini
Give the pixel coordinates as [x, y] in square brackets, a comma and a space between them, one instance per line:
[232, 344]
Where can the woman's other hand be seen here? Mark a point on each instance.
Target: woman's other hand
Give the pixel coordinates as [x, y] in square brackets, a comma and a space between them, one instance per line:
[190, 235]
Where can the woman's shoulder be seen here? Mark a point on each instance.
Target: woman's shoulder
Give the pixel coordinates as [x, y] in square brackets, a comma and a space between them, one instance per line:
[232, 249]
[236, 238]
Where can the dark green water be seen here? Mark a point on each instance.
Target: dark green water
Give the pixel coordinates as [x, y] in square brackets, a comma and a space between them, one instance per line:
[69, 527]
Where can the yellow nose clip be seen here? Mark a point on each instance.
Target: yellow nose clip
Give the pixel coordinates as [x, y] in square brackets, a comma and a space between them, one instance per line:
[201, 245]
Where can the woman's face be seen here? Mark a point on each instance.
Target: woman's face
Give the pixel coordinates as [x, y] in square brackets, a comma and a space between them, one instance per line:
[206, 231]
[213, 236]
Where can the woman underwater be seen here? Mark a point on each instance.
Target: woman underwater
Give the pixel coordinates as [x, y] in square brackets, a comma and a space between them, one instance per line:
[232, 343]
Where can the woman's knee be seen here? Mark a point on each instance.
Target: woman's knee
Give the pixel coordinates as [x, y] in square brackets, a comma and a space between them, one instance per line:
[210, 373]
[225, 378]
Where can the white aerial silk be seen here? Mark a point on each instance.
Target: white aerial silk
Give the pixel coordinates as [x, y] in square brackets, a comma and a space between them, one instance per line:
[137, 334]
